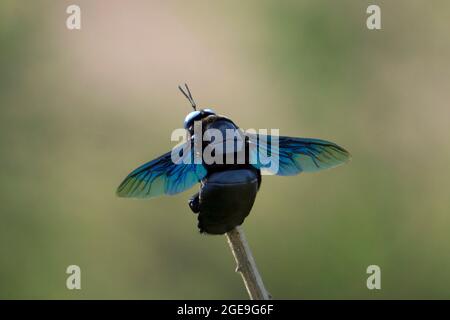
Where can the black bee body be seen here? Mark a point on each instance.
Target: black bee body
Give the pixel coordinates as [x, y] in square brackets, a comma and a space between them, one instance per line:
[229, 181]
[228, 191]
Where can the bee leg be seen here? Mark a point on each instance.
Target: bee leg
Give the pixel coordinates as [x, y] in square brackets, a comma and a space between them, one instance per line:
[194, 203]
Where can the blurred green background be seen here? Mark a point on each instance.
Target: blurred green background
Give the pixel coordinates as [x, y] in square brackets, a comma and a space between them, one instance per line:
[80, 109]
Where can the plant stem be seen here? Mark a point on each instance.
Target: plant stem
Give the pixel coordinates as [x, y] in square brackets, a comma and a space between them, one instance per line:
[246, 265]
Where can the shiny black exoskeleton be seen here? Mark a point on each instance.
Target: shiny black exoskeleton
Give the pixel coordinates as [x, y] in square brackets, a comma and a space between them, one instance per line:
[228, 179]
[228, 191]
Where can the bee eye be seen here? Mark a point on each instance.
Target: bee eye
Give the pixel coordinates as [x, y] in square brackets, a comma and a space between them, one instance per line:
[190, 118]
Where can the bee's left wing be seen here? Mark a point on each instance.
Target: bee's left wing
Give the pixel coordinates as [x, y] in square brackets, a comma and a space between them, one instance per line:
[163, 176]
[294, 155]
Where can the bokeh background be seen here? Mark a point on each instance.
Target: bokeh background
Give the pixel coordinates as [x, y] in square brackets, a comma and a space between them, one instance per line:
[80, 109]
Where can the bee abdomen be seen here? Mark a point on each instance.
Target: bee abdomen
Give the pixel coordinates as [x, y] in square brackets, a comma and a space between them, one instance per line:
[226, 199]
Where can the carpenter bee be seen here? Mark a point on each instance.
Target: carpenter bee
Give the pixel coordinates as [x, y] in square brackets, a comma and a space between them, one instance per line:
[227, 163]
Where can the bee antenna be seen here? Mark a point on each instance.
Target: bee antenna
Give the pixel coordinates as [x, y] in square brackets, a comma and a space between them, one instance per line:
[188, 96]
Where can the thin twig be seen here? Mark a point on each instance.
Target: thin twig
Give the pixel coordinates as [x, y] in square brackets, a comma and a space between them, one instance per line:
[246, 265]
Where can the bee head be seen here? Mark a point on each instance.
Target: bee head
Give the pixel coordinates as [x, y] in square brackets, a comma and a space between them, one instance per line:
[196, 115]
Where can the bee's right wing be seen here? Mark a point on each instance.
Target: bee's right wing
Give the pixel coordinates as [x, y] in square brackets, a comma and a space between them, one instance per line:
[294, 155]
[163, 176]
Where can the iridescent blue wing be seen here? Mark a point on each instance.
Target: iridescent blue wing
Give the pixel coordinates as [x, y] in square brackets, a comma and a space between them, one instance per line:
[164, 176]
[294, 155]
